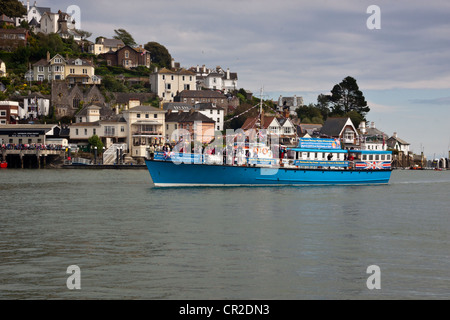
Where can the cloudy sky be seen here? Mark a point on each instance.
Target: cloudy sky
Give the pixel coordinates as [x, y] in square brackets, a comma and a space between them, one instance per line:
[305, 47]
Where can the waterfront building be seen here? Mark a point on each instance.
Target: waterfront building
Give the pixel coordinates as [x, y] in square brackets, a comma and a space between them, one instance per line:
[372, 138]
[200, 127]
[283, 127]
[398, 144]
[93, 113]
[342, 129]
[210, 110]
[18, 134]
[111, 130]
[9, 112]
[145, 127]
[34, 105]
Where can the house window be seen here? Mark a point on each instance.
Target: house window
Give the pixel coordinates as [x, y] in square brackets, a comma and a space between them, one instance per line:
[3, 113]
[349, 135]
[127, 54]
[85, 132]
[167, 127]
[210, 112]
[41, 69]
[109, 131]
[94, 131]
[122, 129]
[168, 86]
[72, 70]
[85, 71]
[176, 126]
[146, 115]
[138, 115]
[155, 116]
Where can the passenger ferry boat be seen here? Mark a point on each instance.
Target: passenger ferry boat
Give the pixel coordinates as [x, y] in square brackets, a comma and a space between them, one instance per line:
[313, 162]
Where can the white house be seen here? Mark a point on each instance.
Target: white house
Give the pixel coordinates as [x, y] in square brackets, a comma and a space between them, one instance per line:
[372, 138]
[168, 83]
[396, 143]
[215, 79]
[34, 105]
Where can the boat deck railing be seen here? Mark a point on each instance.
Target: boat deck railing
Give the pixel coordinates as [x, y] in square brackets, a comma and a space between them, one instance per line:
[214, 159]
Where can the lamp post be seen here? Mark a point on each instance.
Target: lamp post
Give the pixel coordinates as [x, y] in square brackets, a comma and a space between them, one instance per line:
[95, 155]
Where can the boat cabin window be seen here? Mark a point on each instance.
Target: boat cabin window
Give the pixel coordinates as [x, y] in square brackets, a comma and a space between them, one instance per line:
[364, 157]
[377, 157]
[370, 157]
[382, 157]
[388, 157]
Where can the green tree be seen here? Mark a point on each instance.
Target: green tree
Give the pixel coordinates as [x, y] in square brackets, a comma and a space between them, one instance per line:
[12, 8]
[346, 97]
[126, 37]
[323, 104]
[159, 54]
[309, 114]
[356, 117]
[95, 141]
[84, 34]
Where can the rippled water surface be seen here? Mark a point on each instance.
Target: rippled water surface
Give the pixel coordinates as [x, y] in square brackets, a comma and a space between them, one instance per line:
[133, 241]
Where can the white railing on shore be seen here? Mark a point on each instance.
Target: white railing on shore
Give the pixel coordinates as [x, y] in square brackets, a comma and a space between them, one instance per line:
[110, 155]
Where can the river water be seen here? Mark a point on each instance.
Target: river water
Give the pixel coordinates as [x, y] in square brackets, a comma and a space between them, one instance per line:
[133, 241]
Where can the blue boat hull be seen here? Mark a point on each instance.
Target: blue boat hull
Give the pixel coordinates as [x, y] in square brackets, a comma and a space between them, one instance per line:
[169, 174]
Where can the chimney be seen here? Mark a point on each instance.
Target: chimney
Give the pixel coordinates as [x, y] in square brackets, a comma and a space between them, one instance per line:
[295, 101]
[28, 5]
[48, 56]
[372, 125]
[198, 69]
[228, 73]
[156, 69]
[172, 64]
[395, 135]
[204, 69]
[362, 127]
